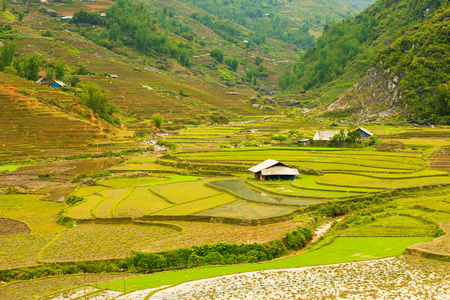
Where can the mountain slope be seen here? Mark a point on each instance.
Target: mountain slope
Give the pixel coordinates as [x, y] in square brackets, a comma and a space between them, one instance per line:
[346, 49]
[30, 123]
[410, 76]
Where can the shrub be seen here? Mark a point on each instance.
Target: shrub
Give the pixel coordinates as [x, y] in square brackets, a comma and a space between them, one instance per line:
[72, 199]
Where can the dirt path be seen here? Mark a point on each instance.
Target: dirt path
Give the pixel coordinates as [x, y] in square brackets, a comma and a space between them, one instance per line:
[439, 247]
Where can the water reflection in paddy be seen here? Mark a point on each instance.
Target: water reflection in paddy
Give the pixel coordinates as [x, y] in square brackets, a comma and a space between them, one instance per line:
[239, 187]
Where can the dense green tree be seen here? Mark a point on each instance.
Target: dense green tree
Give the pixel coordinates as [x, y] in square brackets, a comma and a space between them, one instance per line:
[217, 53]
[60, 70]
[157, 120]
[31, 66]
[7, 54]
[94, 97]
[233, 63]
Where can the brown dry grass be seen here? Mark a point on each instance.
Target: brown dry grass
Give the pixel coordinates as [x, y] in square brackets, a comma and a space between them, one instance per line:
[34, 289]
[209, 233]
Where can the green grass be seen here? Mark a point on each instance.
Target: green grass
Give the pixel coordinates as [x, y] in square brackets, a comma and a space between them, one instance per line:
[286, 188]
[141, 202]
[174, 179]
[362, 181]
[310, 182]
[144, 159]
[394, 225]
[12, 168]
[181, 192]
[131, 182]
[22, 250]
[144, 167]
[196, 206]
[246, 210]
[85, 209]
[39, 215]
[104, 209]
[342, 250]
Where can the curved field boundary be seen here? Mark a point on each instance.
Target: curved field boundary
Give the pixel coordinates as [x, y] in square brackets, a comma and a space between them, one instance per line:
[94, 213]
[164, 225]
[387, 178]
[297, 197]
[247, 199]
[160, 196]
[114, 207]
[419, 250]
[329, 190]
[13, 227]
[250, 222]
[222, 220]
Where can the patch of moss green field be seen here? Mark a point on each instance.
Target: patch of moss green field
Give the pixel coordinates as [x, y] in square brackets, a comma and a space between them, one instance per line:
[12, 167]
[351, 180]
[342, 250]
[40, 216]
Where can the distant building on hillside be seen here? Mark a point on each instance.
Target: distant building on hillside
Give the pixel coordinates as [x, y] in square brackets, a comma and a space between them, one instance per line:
[113, 76]
[273, 170]
[364, 132]
[44, 81]
[303, 142]
[57, 84]
[66, 18]
[325, 135]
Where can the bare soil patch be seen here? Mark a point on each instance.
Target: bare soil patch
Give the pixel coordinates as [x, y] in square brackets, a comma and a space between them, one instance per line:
[439, 247]
[13, 227]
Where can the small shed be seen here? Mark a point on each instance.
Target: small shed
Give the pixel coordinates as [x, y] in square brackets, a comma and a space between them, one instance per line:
[303, 142]
[66, 18]
[113, 76]
[364, 132]
[44, 81]
[273, 170]
[57, 84]
[324, 135]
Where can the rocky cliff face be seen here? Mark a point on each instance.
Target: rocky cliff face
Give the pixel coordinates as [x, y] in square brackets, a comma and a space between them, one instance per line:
[374, 97]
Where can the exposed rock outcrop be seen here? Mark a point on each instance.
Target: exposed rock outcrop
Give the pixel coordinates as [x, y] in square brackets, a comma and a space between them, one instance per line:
[373, 97]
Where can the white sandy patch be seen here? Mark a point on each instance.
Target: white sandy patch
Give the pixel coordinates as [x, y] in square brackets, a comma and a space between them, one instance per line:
[376, 279]
[72, 294]
[105, 295]
[137, 295]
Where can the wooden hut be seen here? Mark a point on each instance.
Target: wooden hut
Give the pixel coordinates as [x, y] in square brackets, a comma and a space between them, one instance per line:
[273, 170]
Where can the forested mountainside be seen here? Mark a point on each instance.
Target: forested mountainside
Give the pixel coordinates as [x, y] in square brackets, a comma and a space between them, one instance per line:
[410, 76]
[347, 49]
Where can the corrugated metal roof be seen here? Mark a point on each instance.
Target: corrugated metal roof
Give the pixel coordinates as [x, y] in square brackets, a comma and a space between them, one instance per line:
[59, 82]
[264, 165]
[365, 130]
[279, 171]
[324, 135]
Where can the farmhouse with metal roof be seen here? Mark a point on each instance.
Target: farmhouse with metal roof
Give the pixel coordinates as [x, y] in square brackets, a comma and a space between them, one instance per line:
[273, 170]
[364, 132]
[324, 135]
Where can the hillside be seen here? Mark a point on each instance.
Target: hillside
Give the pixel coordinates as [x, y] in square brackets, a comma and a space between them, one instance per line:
[39, 121]
[347, 49]
[409, 76]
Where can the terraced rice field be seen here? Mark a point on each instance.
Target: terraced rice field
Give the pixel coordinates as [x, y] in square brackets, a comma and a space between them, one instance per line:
[40, 216]
[137, 197]
[323, 159]
[40, 126]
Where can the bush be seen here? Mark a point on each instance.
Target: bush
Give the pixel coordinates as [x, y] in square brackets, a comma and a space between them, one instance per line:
[72, 199]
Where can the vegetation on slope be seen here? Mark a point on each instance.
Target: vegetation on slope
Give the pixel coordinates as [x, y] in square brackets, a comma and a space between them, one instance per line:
[349, 47]
[419, 57]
